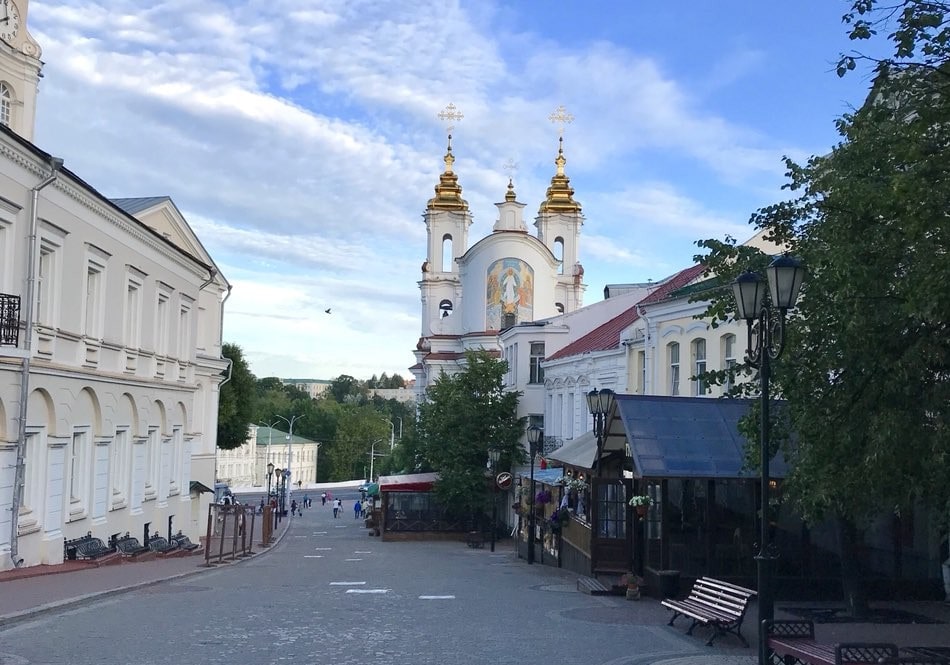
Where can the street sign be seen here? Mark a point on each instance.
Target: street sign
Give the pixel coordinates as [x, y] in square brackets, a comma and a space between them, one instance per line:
[286, 473]
[503, 480]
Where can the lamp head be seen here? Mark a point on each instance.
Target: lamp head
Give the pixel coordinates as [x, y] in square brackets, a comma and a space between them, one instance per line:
[270, 468]
[535, 434]
[749, 290]
[785, 275]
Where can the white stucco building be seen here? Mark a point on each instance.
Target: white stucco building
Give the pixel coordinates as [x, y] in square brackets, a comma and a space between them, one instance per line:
[108, 398]
[246, 465]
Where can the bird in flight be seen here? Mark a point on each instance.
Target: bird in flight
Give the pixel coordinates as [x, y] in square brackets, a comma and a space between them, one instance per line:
[327, 310]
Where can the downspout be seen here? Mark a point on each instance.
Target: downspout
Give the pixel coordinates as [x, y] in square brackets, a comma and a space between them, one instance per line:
[55, 165]
[230, 367]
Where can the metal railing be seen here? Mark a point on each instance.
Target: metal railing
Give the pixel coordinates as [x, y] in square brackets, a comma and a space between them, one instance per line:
[9, 320]
[230, 532]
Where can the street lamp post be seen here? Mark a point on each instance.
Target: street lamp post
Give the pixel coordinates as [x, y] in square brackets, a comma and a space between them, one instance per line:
[276, 495]
[599, 403]
[290, 440]
[535, 436]
[270, 472]
[784, 276]
[493, 457]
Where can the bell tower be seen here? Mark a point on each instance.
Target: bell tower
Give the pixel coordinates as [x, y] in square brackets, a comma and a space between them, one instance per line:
[20, 67]
[447, 219]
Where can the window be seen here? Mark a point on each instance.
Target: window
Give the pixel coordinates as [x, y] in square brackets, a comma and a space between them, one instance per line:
[133, 314]
[537, 356]
[6, 104]
[93, 300]
[559, 254]
[45, 286]
[699, 366]
[642, 364]
[161, 325]
[445, 309]
[151, 463]
[77, 453]
[729, 360]
[118, 464]
[184, 332]
[673, 353]
[446, 253]
[31, 492]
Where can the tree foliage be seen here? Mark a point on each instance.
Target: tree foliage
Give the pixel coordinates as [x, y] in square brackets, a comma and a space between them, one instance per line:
[464, 417]
[236, 400]
[866, 371]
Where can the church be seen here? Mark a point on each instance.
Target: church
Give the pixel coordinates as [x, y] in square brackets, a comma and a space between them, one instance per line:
[512, 277]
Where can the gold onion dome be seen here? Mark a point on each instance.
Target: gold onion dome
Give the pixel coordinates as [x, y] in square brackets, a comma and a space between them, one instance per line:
[560, 195]
[510, 194]
[448, 193]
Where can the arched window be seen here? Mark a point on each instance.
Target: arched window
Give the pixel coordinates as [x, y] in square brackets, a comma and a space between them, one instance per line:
[447, 253]
[6, 104]
[699, 366]
[445, 309]
[559, 254]
[673, 357]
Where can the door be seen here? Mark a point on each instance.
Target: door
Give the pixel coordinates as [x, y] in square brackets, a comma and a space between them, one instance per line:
[611, 524]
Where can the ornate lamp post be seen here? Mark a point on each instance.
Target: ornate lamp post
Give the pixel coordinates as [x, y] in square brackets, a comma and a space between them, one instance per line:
[278, 476]
[493, 457]
[785, 276]
[272, 471]
[535, 437]
[599, 403]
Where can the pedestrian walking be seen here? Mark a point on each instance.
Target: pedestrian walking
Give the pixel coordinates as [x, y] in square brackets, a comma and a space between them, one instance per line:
[357, 510]
[323, 498]
[337, 507]
[293, 507]
[306, 500]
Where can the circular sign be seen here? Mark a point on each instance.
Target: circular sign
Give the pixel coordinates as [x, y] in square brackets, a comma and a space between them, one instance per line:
[286, 473]
[503, 480]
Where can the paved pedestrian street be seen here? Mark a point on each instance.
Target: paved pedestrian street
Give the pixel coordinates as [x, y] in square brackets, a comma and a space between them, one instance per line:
[331, 594]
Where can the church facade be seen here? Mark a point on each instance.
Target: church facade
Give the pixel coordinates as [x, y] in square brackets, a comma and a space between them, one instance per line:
[510, 278]
[110, 346]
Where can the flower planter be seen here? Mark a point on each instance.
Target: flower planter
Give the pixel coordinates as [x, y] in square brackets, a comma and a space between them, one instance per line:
[641, 511]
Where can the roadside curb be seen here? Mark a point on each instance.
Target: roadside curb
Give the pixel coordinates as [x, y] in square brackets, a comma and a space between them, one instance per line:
[8, 620]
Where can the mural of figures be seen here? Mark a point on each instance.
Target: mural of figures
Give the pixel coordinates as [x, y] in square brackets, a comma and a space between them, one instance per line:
[509, 292]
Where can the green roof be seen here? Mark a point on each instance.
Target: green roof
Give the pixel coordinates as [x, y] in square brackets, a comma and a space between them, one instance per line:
[273, 436]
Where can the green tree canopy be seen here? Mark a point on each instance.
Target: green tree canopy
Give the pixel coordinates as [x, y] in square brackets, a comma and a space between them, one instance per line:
[464, 417]
[236, 400]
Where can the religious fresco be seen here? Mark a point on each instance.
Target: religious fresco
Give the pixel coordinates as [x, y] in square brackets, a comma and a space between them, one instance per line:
[510, 291]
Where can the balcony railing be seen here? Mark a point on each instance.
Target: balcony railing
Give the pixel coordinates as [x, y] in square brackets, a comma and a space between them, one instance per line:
[9, 320]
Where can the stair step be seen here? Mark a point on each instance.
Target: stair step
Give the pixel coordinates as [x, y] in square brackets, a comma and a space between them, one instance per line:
[592, 587]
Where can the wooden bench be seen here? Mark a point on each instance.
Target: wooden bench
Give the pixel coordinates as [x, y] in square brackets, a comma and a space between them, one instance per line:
[714, 603]
[130, 546]
[86, 547]
[794, 642]
[184, 542]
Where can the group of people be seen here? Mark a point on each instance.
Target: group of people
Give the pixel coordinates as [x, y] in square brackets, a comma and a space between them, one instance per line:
[307, 502]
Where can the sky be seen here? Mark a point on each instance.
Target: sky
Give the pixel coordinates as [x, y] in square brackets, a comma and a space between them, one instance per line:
[301, 140]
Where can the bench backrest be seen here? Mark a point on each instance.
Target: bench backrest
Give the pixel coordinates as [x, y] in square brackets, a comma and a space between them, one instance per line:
[128, 544]
[722, 596]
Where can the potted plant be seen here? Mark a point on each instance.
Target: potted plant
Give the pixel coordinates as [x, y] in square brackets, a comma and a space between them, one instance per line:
[640, 503]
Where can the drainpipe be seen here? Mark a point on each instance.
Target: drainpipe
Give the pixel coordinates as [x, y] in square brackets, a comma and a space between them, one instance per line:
[230, 367]
[55, 165]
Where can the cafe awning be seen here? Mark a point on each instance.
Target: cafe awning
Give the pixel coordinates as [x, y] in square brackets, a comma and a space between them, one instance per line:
[579, 452]
[410, 482]
[688, 437]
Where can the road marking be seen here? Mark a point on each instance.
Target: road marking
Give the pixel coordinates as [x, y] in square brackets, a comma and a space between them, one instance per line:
[362, 552]
[340, 526]
[301, 536]
[367, 590]
[312, 556]
[347, 583]
[319, 533]
[436, 597]
[352, 559]
[322, 549]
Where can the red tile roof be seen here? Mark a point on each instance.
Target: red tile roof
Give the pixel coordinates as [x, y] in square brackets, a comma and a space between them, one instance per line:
[607, 336]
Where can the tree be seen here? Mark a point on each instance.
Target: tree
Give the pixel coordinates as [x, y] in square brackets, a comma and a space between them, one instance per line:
[866, 372]
[345, 389]
[464, 417]
[236, 400]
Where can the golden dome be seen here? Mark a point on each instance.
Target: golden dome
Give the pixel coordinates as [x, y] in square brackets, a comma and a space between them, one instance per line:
[560, 195]
[448, 193]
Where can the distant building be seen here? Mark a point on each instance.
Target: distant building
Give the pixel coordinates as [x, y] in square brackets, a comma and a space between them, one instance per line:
[313, 387]
[246, 465]
[404, 395]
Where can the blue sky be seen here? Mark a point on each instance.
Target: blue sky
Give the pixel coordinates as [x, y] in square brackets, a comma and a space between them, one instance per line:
[301, 139]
